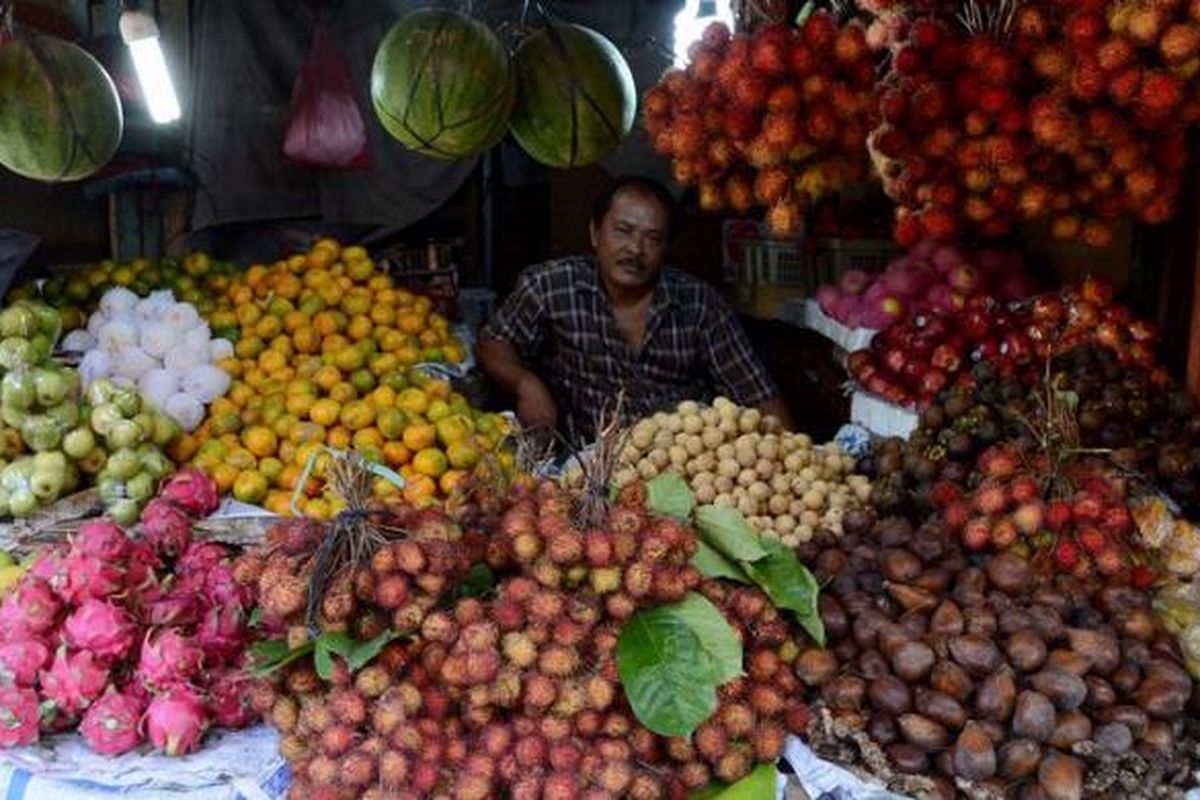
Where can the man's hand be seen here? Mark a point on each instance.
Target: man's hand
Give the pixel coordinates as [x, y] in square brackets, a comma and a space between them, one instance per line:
[535, 406]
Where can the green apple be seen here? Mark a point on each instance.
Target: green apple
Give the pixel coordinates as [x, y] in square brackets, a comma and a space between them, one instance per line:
[141, 487]
[41, 433]
[104, 416]
[22, 503]
[100, 392]
[124, 433]
[165, 430]
[94, 461]
[16, 353]
[128, 402]
[123, 512]
[18, 390]
[51, 386]
[123, 464]
[18, 320]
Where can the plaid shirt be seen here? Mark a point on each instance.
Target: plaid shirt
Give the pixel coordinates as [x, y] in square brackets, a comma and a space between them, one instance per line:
[559, 321]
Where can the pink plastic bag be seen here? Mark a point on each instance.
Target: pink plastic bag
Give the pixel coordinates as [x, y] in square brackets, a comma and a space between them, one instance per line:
[325, 126]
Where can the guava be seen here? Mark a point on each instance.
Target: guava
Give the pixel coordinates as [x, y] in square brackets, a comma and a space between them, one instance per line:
[79, 442]
[123, 512]
[41, 432]
[141, 487]
[22, 503]
[104, 416]
[124, 433]
[17, 390]
[51, 386]
[16, 353]
[123, 464]
[18, 320]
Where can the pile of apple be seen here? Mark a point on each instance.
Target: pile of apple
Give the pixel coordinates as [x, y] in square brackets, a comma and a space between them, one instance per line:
[767, 119]
[909, 362]
[930, 278]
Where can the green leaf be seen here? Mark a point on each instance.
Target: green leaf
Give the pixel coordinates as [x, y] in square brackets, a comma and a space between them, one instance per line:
[726, 530]
[757, 785]
[323, 662]
[713, 790]
[711, 564]
[805, 12]
[479, 582]
[364, 653]
[272, 655]
[716, 636]
[668, 677]
[668, 495]
[336, 642]
[790, 585]
[255, 617]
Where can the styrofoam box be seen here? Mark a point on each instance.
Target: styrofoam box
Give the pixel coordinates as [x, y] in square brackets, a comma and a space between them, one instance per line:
[881, 417]
[849, 339]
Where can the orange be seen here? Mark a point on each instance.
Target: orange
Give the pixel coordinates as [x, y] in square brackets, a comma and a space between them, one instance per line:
[431, 462]
[381, 282]
[450, 480]
[327, 377]
[250, 487]
[268, 327]
[318, 508]
[437, 388]
[307, 365]
[231, 365]
[419, 437]
[240, 394]
[348, 359]
[271, 469]
[272, 360]
[343, 392]
[357, 414]
[325, 323]
[352, 253]
[304, 432]
[359, 270]
[288, 286]
[249, 347]
[300, 404]
[279, 502]
[396, 454]
[287, 451]
[288, 476]
[226, 422]
[462, 455]
[279, 307]
[412, 401]
[430, 338]
[339, 437]
[382, 314]
[383, 488]
[224, 475]
[325, 412]
[420, 491]
[360, 327]
[383, 363]
[390, 339]
[438, 410]
[294, 321]
[410, 323]
[368, 439]
[383, 397]
[183, 448]
[334, 343]
[241, 295]
[363, 381]
[260, 440]
[391, 422]
[248, 314]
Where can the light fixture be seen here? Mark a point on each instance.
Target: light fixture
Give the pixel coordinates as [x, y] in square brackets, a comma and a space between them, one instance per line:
[140, 33]
[693, 19]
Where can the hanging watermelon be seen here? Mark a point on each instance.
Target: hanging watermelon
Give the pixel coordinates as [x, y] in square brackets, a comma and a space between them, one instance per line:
[442, 85]
[60, 117]
[576, 98]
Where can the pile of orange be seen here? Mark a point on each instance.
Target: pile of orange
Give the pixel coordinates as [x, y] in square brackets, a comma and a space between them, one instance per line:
[325, 358]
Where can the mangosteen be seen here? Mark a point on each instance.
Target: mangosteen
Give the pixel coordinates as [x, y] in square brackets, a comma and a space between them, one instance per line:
[957, 405]
[988, 431]
[933, 417]
[959, 445]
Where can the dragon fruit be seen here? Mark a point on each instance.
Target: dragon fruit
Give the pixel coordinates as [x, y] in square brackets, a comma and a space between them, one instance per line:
[223, 631]
[74, 681]
[112, 725]
[200, 558]
[193, 491]
[20, 714]
[21, 660]
[30, 610]
[91, 576]
[103, 539]
[168, 659]
[101, 627]
[176, 720]
[229, 699]
[166, 527]
[51, 567]
[181, 606]
[222, 588]
[140, 566]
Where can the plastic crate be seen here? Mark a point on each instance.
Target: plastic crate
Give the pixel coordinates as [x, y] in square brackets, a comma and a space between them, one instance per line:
[870, 255]
[782, 262]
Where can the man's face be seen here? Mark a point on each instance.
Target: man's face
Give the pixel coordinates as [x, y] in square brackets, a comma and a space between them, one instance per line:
[631, 239]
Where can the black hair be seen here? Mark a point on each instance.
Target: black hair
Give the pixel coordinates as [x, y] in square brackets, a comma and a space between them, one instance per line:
[643, 185]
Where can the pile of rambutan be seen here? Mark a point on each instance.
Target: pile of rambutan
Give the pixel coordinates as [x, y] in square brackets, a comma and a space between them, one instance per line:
[514, 692]
[752, 115]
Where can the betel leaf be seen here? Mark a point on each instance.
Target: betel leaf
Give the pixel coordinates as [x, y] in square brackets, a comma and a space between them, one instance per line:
[365, 652]
[805, 12]
[717, 638]
[668, 677]
[711, 564]
[713, 790]
[327, 646]
[323, 663]
[478, 582]
[757, 785]
[668, 495]
[790, 585]
[728, 532]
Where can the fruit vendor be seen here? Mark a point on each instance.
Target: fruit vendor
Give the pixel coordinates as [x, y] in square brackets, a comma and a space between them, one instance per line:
[578, 330]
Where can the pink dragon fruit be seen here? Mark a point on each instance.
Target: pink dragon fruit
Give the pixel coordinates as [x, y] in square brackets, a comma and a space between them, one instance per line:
[141, 565]
[166, 527]
[103, 539]
[112, 725]
[223, 631]
[181, 606]
[229, 699]
[200, 559]
[193, 491]
[51, 566]
[20, 716]
[21, 660]
[74, 681]
[222, 588]
[168, 659]
[91, 576]
[30, 610]
[176, 720]
[101, 627]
